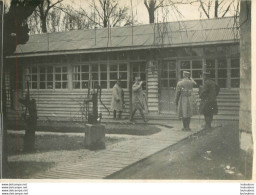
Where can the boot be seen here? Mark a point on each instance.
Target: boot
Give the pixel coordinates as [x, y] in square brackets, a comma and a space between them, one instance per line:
[119, 114]
[142, 115]
[188, 123]
[132, 115]
[184, 124]
[114, 114]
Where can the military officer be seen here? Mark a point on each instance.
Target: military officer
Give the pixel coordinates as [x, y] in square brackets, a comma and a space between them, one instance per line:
[184, 99]
[208, 104]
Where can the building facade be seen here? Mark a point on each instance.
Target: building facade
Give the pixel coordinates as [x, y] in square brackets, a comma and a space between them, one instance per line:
[59, 66]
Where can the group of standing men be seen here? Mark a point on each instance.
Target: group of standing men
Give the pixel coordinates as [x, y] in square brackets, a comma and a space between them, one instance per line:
[183, 99]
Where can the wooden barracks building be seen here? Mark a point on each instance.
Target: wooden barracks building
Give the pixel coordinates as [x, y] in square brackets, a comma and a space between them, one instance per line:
[59, 66]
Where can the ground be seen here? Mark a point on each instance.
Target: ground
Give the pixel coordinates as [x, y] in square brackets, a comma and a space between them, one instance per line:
[202, 155]
[213, 155]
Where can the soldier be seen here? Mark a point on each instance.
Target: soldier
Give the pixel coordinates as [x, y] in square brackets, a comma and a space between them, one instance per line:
[117, 103]
[208, 104]
[31, 123]
[184, 99]
[138, 98]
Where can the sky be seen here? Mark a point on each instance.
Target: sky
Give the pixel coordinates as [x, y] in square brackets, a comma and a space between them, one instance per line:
[188, 11]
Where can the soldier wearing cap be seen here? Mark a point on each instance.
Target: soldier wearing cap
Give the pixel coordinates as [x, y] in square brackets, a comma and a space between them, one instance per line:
[184, 99]
[208, 94]
[138, 98]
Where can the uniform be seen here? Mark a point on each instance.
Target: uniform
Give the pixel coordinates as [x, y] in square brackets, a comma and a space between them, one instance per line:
[208, 105]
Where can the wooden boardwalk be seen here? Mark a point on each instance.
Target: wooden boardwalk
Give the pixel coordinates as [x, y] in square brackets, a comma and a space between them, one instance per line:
[100, 164]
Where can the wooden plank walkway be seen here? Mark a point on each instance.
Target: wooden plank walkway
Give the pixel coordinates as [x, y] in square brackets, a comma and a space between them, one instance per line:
[100, 164]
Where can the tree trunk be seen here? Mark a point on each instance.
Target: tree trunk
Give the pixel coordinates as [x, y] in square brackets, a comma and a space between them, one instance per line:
[216, 8]
[44, 25]
[151, 13]
[245, 120]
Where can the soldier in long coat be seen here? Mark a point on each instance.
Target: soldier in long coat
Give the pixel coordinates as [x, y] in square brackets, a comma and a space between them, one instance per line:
[184, 99]
[117, 102]
[138, 99]
[208, 94]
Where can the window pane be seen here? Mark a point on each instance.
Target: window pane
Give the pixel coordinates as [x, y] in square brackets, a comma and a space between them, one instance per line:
[185, 65]
[49, 77]
[222, 83]
[235, 63]
[49, 85]
[34, 77]
[85, 85]
[76, 77]
[64, 85]
[85, 76]
[197, 64]
[122, 67]
[196, 73]
[103, 67]
[124, 84]
[222, 73]
[103, 84]
[42, 77]
[172, 65]
[94, 76]
[42, 85]
[112, 83]
[57, 85]
[113, 67]
[94, 67]
[85, 68]
[34, 70]
[58, 69]
[235, 83]
[113, 76]
[165, 66]
[34, 85]
[58, 77]
[235, 72]
[172, 83]
[143, 76]
[42, 69]
[135, 68]
[64, 77]
[212, 72]
[172, 74]
[103, 76]
[123, 75]
[210, 63]
[222, 63]
[76, 85]
[49, 69]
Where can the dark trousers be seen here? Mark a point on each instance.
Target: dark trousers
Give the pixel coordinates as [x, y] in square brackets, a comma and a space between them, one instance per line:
[141, 113]
[186, 123]
[119, 114]
[208, 120]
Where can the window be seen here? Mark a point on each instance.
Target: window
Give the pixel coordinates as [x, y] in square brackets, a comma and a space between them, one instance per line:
[210, 67]
[61, 77]
[46, 77]
[235, 73]
[32, 74]
[168, 74]
[139, 68]
[102, 74]
[195, 67]
[118, 71]
[222, 72]
[80, 77]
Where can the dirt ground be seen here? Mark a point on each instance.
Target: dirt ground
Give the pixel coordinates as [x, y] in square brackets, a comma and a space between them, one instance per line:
[213, 155]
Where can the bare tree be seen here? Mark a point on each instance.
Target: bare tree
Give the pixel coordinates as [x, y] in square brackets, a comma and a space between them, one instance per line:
[152, 6]
[108, 13]
[218, 8]
[43, 11]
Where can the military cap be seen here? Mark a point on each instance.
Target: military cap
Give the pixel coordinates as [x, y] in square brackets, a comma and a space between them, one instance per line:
[186, 73]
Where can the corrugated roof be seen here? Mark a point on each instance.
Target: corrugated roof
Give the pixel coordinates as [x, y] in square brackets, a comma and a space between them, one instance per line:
[172, 34]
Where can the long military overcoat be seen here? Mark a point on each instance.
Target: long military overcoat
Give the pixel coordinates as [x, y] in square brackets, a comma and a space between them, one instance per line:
[184, 98]
[117, 98]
